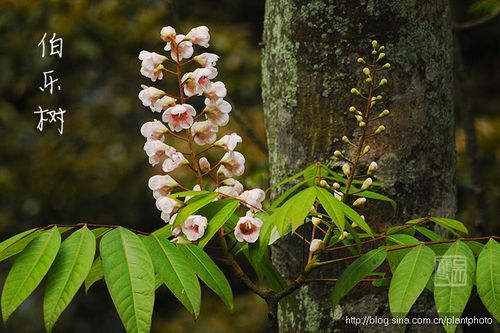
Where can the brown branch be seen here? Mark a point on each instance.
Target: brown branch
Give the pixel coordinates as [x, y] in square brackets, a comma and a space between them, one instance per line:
[475, 23]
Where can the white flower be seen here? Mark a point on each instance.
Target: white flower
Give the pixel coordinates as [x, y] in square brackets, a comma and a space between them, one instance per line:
[155, 149]
[151, 65]
[228, 142]
[167, 34]
[198, 81]
[253, 198]
[194, 227]
[231, 187]
[154, 130]
[179, 117]
[173, 161]
[316, 245]
[180, 48]
[161, 185]
[204, 132]
[218, 114]
[233, 164]
[199, 36]
[149, 95]
[215, 93]
[163, 103]
[167, 206]
[248, 228]
[206, 59]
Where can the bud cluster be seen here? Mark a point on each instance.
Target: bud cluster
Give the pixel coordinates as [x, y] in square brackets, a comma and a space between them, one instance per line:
[195, 131]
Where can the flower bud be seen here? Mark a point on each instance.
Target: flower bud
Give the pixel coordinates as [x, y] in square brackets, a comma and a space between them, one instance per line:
[316, 220]
[368, 80]
[336, 186]
[343, 235]
[204, 164]
[359, 202]
[386, 66]
[362, 216]
[345, 139]
[352, 109]
[362, 124]
[366, 149]
[374, 52]
[346, 169]
[380, 129]
[381, 48]
[367, 183]
[382, 82]
[380, 56]
[359, 118]
[384, 113]
[372, 167]
[361, 61]
[337, 153]
[316, 245]
[366, 71]
[323, 183]
[379, 97]
[338, 195]
[374, 43]
[354, 224]
[355, 91]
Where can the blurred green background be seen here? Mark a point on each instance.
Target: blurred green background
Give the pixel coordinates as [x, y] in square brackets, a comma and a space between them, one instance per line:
[97, 171]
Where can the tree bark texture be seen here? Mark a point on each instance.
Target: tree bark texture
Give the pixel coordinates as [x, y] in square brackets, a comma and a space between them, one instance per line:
[309, 66]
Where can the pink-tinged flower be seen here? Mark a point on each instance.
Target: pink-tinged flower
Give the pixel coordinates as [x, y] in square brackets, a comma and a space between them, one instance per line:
[228, 141]
[149, 95]
[199, 36]
[161, 185]
[248, 228]
[163, 103]
[155, 149]
[151, 66]
[231, 187]
[168, 207]
[180, 48]
[233, 164]
[218, 114]
[194, 227]
[154, 130]
[215, 94]
[372, 167]
[204, 132]
[179, 117]
[167, 34]
[173, 161]
[206, 59]
[204, 164]
[253, 199]
[198, 81]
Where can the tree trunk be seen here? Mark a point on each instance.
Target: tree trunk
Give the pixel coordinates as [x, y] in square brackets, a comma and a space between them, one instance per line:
[309, 66]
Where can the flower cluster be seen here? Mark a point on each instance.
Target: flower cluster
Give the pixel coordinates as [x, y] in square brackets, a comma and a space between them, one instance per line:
[197, 131]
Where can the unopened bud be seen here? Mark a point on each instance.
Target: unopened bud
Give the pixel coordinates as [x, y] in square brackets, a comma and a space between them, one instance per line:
[204, 164]
[355, 91]
[368, 80]
[315, 220]
[374, 43]
[381, 48]
[346, 169]
[354, 224]
[312, 209]
[374, 52]
[359, 202]
[372, 167]
[380, 129]
[345, 139]
[352, 109]
[337, 153]
[336, 186]
[338, 195]
[316, 245]
[386, 66]
[367, 183]
[362, 216]
[323, 183]
[380, 56]
[366, 150]
[343, 235]
[382, 82]
[379, 97]
[359, 118]
[366, 71]
[361, 61]
[362, 124]
[384, 113]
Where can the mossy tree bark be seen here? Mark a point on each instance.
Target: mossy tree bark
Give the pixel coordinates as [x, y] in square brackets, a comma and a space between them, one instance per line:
[309, 66]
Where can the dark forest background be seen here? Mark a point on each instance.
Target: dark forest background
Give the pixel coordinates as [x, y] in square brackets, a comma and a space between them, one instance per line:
[97, 171]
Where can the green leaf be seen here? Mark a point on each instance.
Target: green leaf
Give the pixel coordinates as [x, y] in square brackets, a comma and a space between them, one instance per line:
[475, 246]
[431, 235]
[450, 224]
[192, 206]
[376, 196]
[259, 249]
[95, 274]
[402, 239]
[488, 277]
[99, 232]
[130, 278]
[17, 243]
[28, 270]
[355, 217]
[208, 272]
[410, 279]
[294, 210]
[218, 220]
[353, 274]
[355, 237]
[176, 272]
[332, 206]
[453, 282]
[287, 193]
[67, 274]
[184, 194]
